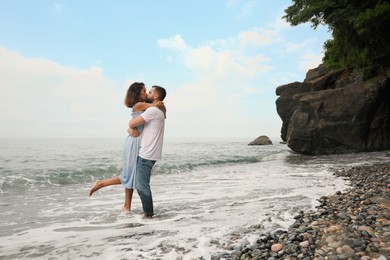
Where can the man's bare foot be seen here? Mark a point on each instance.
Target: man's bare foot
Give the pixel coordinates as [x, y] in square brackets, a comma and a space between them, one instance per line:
[94, 188]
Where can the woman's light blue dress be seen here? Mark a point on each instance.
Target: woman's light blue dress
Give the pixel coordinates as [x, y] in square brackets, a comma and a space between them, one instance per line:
[130, 155]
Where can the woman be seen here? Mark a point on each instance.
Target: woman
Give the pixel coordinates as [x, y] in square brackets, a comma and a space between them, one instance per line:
[135, 98]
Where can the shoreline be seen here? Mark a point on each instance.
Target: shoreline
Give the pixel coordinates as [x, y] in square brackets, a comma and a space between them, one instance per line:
[354, 224]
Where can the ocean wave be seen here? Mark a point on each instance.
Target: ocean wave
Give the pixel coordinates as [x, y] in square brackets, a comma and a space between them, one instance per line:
[69, 176]
[169, 168]
[55, 177]
[79, 166]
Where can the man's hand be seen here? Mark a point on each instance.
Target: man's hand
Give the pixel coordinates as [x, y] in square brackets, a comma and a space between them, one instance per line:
[133, 132]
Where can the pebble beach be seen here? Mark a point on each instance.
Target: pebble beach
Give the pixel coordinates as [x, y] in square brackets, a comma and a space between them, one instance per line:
[354, 224]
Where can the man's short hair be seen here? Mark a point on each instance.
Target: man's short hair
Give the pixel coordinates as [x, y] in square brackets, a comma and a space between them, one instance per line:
[160, 92]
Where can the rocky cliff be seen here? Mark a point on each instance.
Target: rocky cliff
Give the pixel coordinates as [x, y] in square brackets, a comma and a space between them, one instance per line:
[335, 111]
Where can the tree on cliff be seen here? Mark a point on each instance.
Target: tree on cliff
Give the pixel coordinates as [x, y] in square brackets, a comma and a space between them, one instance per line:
[360, 30]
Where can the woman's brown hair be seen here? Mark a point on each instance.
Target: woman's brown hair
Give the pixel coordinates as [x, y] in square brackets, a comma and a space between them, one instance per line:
[133, 94]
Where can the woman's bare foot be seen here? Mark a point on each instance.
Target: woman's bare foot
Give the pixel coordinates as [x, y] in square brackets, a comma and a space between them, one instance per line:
[126, 211]
[95, 187]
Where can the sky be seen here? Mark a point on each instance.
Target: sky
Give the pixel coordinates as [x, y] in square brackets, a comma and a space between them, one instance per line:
[65, 66]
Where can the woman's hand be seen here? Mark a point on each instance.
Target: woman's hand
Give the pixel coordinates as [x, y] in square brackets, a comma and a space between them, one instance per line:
[133, 132]
[162, 107]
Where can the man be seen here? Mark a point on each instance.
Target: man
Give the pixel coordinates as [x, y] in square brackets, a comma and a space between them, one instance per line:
[153, 120]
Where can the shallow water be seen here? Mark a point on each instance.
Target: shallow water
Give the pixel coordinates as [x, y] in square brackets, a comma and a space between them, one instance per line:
[208, 197]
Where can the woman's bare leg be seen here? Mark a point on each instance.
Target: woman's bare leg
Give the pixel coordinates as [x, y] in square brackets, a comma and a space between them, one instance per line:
[128, 198]
[103, 183]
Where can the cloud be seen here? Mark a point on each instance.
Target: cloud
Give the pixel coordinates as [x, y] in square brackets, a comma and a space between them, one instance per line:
[254, 38]
[176, 43]
[225, 77]
[230, 91]
[310, 61]
[219, 61]
[294, 47]
[42, 98]
[235, 80]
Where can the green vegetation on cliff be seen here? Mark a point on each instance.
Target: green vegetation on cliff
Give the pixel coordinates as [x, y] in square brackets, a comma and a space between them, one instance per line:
[360, 30]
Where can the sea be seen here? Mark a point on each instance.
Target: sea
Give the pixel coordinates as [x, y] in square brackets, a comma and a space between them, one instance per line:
[210, 196]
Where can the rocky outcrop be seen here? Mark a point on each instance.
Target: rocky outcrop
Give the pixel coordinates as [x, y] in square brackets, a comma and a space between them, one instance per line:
[335, 111]
[261, 140]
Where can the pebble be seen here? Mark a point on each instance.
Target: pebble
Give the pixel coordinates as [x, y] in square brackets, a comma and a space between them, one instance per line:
[332, 229]
[276, 247]
[347, 250]
[347, 225]
[304, 244]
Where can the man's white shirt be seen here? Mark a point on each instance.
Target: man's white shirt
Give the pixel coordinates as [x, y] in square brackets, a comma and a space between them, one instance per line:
[153, 134]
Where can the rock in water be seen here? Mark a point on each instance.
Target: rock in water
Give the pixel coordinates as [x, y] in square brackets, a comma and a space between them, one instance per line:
[261, 140]
[335, 111]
